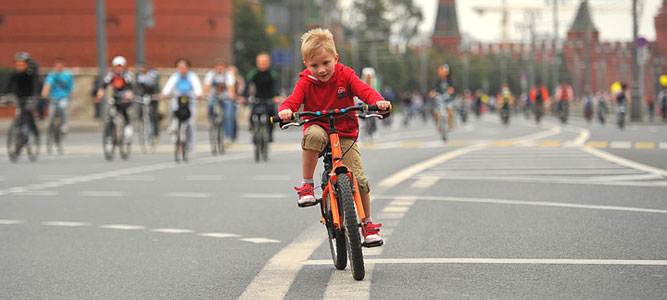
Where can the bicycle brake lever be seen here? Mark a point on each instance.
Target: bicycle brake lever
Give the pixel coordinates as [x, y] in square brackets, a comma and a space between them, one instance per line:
[288, 125]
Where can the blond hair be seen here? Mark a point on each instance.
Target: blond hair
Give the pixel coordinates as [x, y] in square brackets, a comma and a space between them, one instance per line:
[316, 40]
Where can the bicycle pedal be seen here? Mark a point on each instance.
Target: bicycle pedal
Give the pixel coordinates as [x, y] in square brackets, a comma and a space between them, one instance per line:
[372, 245]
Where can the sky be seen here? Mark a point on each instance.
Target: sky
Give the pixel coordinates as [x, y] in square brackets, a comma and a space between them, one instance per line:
[613, 18]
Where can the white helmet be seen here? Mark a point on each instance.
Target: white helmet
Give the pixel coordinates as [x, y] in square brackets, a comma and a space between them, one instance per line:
[119, 60]
[368, 71]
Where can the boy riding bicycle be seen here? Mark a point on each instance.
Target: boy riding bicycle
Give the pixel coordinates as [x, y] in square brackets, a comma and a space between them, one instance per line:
[328, 84]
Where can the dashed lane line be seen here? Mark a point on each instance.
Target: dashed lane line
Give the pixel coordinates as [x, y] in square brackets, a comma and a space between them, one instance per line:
[260, 240]
[219, 235]
[644, 145]
[11, 222]
[505, 261]
[529, 203]
[425, 182]
[44, 193]
[66, 224]
[122, 227]
[562, 180]
[620, 145]
[172, 230]
[662, 145]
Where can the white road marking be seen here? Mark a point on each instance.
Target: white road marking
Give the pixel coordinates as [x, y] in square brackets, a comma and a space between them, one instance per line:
[39, 193]
[66, 224]
[531, 203]
[172, 230]
[265, 196]
[425, 182]
[260, 240]
[614, 171]
[411, 171]
[620, 145]
[395, 209]
[624, 162]
[101, 194]
[203, 178]
[219, 235]
[187, 195]
[395, 216]
[530, 261]
[271, 178]
[136, 178]
[11, 222]
[662, 145]
[274, 280]
[563, 180]
[122, 227]
[642, 176]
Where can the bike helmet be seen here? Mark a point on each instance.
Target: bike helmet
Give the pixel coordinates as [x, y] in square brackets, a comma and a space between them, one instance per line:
[22, 56]
[119, 61]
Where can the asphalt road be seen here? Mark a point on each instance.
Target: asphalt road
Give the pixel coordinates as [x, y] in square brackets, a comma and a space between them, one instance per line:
[517, 212]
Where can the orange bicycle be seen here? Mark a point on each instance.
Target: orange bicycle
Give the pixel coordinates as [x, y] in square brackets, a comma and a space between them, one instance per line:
[340, 204]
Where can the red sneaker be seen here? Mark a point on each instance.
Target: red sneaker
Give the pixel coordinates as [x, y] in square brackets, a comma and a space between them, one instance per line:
[306, 194]
[371, 234]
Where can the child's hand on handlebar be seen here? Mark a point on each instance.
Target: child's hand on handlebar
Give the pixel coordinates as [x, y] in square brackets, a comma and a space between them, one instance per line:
[383, 105]
[285, 114]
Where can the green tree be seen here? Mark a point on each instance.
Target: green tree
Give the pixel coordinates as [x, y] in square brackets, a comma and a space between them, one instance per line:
[250, 37]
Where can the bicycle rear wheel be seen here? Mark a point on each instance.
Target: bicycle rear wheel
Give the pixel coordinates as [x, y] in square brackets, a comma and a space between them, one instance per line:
[443, 126]
[13, 141]
[265, 144]
[352, 229]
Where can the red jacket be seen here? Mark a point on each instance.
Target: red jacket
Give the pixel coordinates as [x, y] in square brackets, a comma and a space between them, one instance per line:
[337, 92]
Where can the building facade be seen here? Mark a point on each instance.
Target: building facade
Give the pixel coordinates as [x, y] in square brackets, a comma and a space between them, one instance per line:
[67, 29]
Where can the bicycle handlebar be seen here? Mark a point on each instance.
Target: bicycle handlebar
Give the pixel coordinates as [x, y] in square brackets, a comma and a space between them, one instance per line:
[297, 116]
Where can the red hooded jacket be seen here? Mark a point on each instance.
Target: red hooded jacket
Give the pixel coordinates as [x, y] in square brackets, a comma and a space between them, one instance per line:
[337, 92]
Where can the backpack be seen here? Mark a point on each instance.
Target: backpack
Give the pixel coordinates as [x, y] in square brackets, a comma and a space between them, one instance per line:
[183, 110]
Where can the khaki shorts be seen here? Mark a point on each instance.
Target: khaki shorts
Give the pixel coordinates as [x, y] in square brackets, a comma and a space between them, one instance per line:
[316, 138]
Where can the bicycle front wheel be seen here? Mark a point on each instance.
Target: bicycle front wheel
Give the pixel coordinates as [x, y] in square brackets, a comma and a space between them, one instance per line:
[109, 141]
[32, 146]
[352, 229]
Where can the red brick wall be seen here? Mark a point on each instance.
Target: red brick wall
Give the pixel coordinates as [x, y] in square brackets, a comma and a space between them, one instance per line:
[200, 31]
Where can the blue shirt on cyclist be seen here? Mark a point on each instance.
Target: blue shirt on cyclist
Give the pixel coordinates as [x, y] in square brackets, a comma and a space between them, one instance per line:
[61, 84]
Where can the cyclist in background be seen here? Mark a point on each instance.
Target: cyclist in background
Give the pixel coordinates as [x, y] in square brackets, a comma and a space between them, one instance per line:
[58, 86]
[443, 95]
[267, 88]
[148, 84]
[220, 88]
[121, 84]
[183, 83]
[24, 83]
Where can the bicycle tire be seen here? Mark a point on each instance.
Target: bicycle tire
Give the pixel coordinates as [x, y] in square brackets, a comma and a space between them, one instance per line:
[351, 224]
[221, 138]
[256, 142]
[265, 145]
[109, 141]
[32, 146]
[12, 146]
[443, 126]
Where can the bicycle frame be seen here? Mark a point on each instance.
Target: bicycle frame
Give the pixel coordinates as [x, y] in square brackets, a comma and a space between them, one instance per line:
[338, 167]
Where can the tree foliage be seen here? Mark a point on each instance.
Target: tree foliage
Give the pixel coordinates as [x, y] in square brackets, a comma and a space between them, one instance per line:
[250, 37]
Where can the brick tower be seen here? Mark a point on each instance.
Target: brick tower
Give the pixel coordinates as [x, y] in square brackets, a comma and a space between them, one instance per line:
[446, 32]
[661, 29]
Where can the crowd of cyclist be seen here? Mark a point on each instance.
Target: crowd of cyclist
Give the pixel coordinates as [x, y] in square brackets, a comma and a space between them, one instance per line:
[130, 92]
[223, 88]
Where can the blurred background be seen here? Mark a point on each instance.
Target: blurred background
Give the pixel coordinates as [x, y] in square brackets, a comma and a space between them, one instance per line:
[590, 44]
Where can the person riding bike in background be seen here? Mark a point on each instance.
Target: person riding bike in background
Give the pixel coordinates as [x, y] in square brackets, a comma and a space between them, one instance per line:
[148, 84]
[183, 83]
[369, 77]
[24, 83]
[564, 96]
[538, 96]
[220, 88]
[662, 101]
[122, 90]
[588, 105]
[622, 96]
[58, 86]
[266, 87]
[328, 84]
[443, 96]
